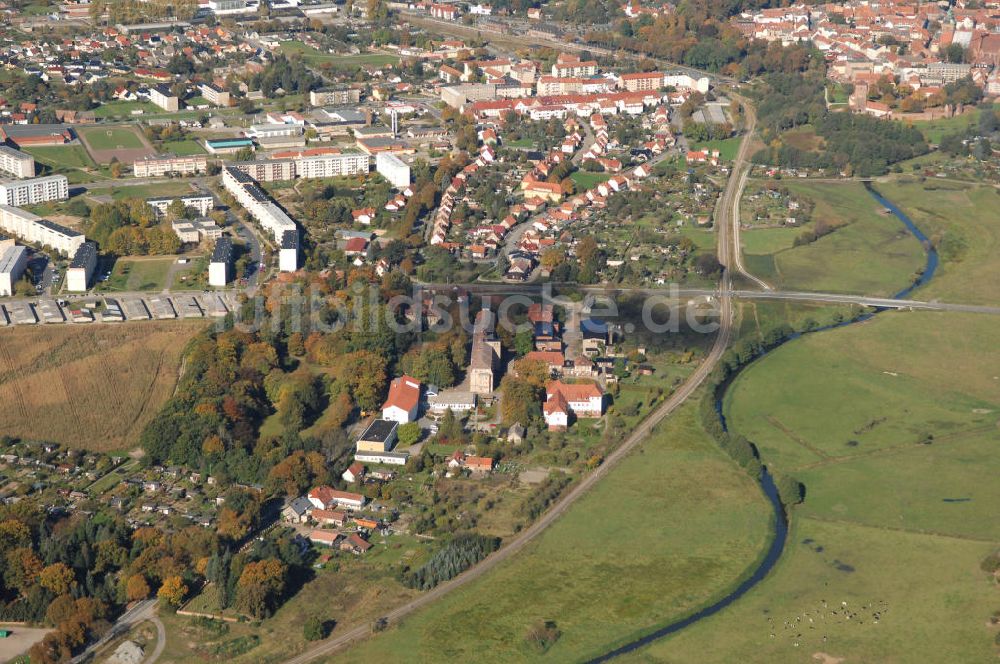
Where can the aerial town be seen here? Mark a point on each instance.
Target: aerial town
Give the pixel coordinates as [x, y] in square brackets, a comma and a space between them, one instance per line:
[511, 331]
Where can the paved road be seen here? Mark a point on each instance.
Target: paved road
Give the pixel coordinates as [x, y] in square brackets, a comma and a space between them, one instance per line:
[731, 197]
[639, 434]
[144, 610]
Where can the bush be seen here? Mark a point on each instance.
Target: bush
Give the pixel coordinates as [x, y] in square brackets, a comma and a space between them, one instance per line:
[542, 635]
[314, 629]
[455, 557]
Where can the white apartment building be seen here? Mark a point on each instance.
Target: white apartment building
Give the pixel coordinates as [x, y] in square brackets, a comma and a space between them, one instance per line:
[332, 165]
[157, 166]
[215, 95]
[16, 163]
[271, 217]
[35, 230]
[13, 260]
[82, 267]
[164, 98]
[219, 270]
[393, 169]
[274, 130]
[35, 190]
[194, 231]
[202, 203]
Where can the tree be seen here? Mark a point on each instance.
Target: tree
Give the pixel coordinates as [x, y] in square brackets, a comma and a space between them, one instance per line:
[260, 587]
[708, 265]
[173, 591]
[137, 588]
[57, 578]
[409, 433]
[313, 629]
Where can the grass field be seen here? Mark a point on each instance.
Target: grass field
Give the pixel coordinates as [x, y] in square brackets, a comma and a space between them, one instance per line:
[670, 528]
[183, 148]
[316, 57]
[101, 138]
[586, 180]
[727, 147]
[146, 274]
[62, 157]
[934, 130]
[93, 387]
[870, 252]
[123, 109]
[175, 188]
[891, 522]
[963, 221]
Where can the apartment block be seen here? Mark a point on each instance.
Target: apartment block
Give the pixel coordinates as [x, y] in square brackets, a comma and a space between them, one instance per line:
[35, 190]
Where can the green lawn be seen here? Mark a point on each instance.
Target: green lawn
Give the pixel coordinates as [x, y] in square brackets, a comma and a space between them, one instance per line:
[586, 180]
[316, 57]
[183, 148]
[62, 156]
[889, 524]
[149, 190]
[671, 528]
[123, 109]
[934, 130]
[143, 274]
[101, 138]
[869, 252]
[727, 147]
[933, 603]
[963, 221]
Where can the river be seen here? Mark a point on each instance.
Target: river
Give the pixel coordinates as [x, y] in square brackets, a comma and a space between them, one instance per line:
[780, 522]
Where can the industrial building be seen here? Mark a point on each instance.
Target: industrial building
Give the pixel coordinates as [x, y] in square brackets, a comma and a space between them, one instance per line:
[219, 270]
[33, 229]
[393, 169]
[201, 203]
[81, 268]
[35, 190]
[164, 98]
[156, 166]
[12, 263]
[227, 145]
[16, 163]
[271, 217]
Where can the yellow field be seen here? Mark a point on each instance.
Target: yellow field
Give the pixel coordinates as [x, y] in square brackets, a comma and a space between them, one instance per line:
[92, 387]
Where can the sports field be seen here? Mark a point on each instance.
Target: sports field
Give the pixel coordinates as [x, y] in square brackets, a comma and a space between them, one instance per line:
[869, 252]
[122, 143]
[891, 424]
[92, 387]
[675, 525]
[316, 57]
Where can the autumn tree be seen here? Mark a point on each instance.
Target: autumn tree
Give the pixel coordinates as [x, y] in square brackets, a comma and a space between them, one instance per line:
[173, 591]
[57, 578]
[260, 587]
[136, 588]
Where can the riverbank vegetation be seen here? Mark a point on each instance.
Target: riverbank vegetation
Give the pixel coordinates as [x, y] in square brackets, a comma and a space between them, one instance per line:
[855, 247]
[670, 529]
[889, 425]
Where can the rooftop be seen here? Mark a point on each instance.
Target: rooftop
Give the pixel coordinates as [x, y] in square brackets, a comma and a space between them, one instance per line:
[83, 255]
[379, 431]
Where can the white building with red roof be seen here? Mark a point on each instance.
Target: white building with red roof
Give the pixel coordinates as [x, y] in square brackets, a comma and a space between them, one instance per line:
[403, 402]
[565, 400]
[326, 497]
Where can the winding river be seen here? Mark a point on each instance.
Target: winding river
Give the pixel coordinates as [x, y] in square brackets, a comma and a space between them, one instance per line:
[780, 523]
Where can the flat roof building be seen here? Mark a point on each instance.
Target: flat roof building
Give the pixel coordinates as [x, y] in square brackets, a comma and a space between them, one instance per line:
[81, 268]
[164, 98]
[219, 269]
[13, 260]
[393, 169]
[288, 257]
[35, 230]
[35, 190]
[380, 436]
[155, 166]
[201, 203]
[16, 163]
